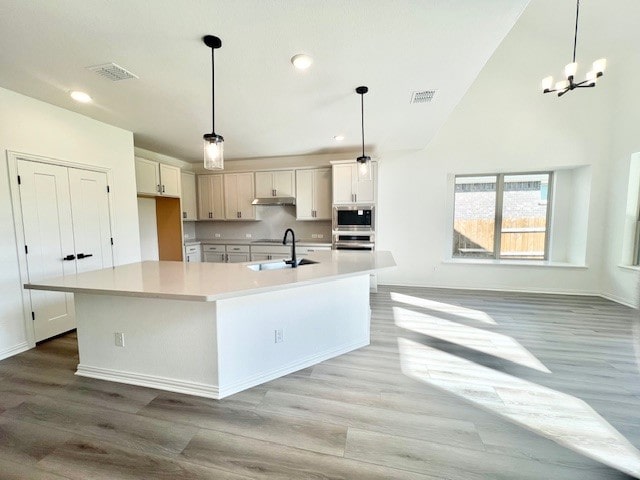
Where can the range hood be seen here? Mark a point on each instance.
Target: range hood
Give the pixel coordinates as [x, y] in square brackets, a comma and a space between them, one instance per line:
[274, 201]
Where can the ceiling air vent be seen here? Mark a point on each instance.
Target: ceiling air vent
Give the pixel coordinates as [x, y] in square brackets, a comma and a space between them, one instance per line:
[112, 72]
[423, 96]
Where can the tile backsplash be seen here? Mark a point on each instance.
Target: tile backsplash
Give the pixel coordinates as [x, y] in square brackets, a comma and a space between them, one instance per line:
[273, 221]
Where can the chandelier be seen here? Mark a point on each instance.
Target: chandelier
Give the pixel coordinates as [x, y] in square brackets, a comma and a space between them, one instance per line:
[563, 86]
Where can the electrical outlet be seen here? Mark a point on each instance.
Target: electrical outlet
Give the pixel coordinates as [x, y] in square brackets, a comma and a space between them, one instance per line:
[119, 338]
[216, 235]
[247, 235]
[279, 335]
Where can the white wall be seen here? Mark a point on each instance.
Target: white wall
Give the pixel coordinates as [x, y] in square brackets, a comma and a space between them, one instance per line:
[32, 127]
[505, 124]
[620, 283]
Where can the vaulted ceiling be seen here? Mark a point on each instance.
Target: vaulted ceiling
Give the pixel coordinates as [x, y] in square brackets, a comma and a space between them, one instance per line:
[264, 107]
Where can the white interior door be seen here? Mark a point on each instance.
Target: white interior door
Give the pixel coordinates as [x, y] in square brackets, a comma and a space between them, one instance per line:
[91, 222]
[48, 233]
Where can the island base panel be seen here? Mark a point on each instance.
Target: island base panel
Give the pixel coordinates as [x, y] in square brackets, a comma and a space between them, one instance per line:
[215, 349]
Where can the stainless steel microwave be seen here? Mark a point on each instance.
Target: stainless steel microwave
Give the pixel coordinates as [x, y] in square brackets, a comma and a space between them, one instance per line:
[354, 217]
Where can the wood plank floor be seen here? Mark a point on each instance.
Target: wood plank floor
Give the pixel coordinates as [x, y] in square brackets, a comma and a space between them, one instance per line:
[455, 385]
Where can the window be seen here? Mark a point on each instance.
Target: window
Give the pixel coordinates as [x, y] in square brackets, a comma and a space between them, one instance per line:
[502, 216]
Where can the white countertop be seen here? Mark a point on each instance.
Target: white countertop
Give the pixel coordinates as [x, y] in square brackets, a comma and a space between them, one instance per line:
[213, 281]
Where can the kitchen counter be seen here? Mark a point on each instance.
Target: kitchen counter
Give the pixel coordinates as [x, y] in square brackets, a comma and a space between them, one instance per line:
[208, 282]
[212, 329]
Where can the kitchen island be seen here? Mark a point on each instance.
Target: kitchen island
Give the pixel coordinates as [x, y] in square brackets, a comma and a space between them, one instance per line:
[213, 329]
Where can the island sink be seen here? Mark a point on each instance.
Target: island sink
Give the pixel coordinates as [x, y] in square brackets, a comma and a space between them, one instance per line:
[257, 267]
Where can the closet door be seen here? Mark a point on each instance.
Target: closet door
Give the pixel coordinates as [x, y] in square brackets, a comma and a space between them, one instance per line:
[48, 233]
[91, 222]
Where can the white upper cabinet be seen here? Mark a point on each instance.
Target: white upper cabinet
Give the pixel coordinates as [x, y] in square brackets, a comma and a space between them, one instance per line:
[210, 197]
[157, 179]
[169, 180]
[238, 194]
[313, 194]
[278, 183]
[147, 177]
[188, 197]
[349, 189]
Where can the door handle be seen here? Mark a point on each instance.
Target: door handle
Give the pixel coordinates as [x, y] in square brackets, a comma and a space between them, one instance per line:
[69, 257]
[82, 255]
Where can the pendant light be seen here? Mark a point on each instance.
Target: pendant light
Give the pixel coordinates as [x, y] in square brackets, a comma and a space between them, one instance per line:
[363, 161]
[563, 86]
[213, 143]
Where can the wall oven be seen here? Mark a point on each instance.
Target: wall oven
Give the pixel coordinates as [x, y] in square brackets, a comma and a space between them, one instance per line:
[354, 217]
[354, 241]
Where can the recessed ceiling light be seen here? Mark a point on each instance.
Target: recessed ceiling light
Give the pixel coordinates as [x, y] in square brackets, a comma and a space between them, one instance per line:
[301, 61]
[80, 96]
[338, 138]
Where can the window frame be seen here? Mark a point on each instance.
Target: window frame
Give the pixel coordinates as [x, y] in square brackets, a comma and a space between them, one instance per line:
[497, 231]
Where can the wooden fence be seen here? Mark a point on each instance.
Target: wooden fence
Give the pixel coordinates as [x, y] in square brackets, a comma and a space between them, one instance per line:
[521, 237]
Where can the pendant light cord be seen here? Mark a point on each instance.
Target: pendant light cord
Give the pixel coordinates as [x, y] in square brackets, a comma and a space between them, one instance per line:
[362, 119]
[213, 95]
[575, 35]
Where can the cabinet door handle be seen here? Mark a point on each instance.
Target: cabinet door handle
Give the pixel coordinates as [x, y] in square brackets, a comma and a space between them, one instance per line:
[69, 257]
[158, 188]
[162, 188]
[210, 214]
[239, 214]
[83, 255]
[184, 214]
[355, 197]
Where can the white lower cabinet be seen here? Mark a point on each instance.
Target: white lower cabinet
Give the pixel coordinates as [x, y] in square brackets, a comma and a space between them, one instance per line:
[193, 253]
[237, 253]
[260, 253]
[225, 253]
[214, 253]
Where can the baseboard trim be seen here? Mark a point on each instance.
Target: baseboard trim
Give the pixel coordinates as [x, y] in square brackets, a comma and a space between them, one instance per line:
[151, 381]
[263, 377]
[16, 349]
[620, 300]
[212, 391]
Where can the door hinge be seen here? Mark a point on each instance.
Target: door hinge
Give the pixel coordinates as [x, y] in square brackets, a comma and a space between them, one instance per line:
[111, 240]
[26, 250]
[33, 316]
[19, 182]
[108, 190]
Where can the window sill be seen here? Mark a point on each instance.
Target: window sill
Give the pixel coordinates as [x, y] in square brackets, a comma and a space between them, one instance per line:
[635, 268]
[515, 263]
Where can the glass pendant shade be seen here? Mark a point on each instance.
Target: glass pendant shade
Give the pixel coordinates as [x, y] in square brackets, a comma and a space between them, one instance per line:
[213, 152]
[364, 168]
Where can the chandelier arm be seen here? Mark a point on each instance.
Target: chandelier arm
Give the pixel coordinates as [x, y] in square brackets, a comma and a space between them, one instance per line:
[575, 35]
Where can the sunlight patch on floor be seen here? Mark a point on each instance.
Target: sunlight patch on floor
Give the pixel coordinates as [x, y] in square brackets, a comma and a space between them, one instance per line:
[485, 341]
[457, 310]
[565, 419]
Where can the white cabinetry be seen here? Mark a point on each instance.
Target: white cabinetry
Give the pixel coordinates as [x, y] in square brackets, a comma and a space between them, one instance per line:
[210, 197]
[157, 179]
[261, 253]
[192, 253]
[277, 183]
[238, 195]
[188, 197]
[237, 253]
[214, 253]
[313, 194]
[349, 189]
